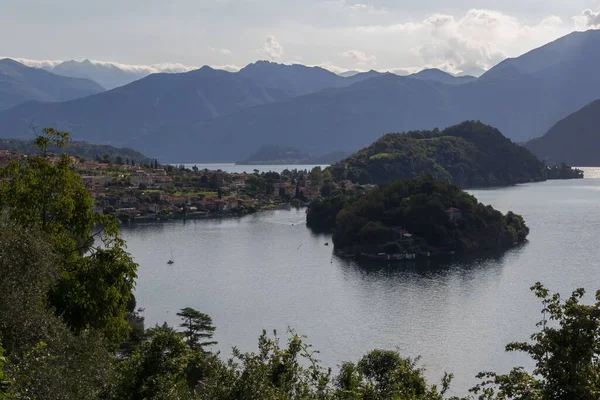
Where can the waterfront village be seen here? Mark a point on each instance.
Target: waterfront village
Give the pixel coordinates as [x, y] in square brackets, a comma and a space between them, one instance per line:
[152, 192]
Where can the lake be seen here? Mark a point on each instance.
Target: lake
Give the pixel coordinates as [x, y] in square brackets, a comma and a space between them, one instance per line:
[239, 168]
[268, 271]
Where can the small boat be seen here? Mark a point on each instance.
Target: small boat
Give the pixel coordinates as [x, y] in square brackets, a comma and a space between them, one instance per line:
[326, 243]
[171, 259]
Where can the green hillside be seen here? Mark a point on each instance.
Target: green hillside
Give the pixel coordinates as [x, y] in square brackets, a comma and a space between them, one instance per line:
[470, 154]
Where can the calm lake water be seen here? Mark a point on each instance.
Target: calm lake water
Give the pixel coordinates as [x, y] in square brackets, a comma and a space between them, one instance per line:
[269, 271]
[231, 167]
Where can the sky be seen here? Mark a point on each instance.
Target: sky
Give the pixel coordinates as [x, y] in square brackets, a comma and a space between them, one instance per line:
[459, 36]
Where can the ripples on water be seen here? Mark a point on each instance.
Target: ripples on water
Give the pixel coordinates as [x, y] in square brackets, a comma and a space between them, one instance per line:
[268, 271]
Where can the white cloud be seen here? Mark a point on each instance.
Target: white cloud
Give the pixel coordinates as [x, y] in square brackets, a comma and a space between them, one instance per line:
[36, 63]
[360, 57]
[403, 71]
[368, 8]
[587, 20]
[466, 42]
[330, 67]
[355, 9]
[227, 67]
[272, 48]
[395, 28]
[136, 69]
[476, 41]
[225, 52]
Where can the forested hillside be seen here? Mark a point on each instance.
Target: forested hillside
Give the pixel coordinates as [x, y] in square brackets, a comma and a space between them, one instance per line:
[470, 154]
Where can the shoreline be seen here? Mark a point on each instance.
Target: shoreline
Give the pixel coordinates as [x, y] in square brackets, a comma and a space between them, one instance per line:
[204, 216]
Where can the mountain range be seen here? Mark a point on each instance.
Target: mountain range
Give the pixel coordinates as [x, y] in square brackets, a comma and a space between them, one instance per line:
[214, 115]
[296, 78]
[19, 84]
[108, 75]
[132, 113]
[574, 140]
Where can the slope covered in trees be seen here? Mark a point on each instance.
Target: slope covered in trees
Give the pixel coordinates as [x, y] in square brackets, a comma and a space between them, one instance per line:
[574, 140]
[417, 217]
[470, 155]
[77, 149]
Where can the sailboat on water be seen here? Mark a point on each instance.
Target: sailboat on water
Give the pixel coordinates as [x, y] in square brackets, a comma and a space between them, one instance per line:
[171, 261]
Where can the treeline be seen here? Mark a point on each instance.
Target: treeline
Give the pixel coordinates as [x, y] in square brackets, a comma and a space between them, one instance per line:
[84, 150]
[67, 315]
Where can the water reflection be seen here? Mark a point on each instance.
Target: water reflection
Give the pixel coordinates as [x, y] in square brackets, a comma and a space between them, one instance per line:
[268, 271]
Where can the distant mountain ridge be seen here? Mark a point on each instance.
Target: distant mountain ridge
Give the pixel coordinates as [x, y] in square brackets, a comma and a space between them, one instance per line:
[221, 116]
[438, 75]
[295, 79]
[575, 140]
[19, 84]
[130, 115]
[107, 75]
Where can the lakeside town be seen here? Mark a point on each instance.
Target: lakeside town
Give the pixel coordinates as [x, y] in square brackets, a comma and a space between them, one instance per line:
[153, 192]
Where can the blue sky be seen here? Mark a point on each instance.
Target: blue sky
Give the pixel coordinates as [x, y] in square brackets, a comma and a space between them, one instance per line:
[458, 36]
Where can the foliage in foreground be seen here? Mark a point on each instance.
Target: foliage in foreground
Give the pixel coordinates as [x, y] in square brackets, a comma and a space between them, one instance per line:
[566, 352]
[45, 358]
[96, 279]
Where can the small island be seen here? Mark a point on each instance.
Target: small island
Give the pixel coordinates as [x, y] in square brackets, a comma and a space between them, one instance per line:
[416, 218]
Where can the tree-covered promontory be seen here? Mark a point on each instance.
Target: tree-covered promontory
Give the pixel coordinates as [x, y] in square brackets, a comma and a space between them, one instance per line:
[470, 154]
[415, 217]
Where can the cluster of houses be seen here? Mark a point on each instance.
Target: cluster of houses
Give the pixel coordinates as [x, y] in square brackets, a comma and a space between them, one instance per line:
[132, 192]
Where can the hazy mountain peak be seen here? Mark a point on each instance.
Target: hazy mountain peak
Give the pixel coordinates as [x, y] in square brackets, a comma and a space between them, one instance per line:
[437, 75]
[348, 74]
[20, 83]
[9, 62]
[561, 50]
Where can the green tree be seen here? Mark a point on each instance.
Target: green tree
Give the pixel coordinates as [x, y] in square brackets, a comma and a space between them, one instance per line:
[119, 160]
[275, 372]
[198, 328]
[157, 369]
[566, 352]
[4, 382]
[384, 374]
[98, 275]
[46, 360]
